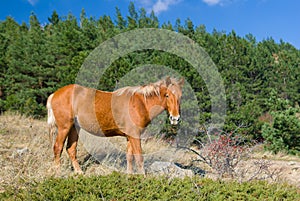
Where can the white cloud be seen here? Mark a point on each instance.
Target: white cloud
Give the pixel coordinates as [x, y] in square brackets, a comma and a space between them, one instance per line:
[212, 2]
[33, 2]
[218, 2]
[157, 6]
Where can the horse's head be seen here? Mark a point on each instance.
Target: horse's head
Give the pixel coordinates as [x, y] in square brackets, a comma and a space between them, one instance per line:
[173, 95]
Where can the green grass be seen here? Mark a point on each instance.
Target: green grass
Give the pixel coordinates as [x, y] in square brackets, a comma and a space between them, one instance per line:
[118, 186]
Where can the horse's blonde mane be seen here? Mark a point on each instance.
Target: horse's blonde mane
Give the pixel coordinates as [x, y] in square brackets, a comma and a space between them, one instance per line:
[145, 90]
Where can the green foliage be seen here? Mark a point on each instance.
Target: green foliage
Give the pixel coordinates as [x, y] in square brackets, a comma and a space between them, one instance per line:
[118, 186]
[283, 133]
[37, 59]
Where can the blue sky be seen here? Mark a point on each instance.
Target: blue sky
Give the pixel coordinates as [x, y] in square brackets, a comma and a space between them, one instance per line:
[279, 19]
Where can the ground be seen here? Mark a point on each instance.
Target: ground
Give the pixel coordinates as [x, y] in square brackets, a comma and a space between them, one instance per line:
[26, 156]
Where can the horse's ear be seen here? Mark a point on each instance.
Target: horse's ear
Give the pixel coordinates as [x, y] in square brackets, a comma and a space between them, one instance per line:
[168, 81]
[181, 82]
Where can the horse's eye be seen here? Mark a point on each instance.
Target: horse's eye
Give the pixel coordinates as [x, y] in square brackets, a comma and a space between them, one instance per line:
[167, 95]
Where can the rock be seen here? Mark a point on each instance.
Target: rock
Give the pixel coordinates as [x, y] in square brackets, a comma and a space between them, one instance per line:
[169, 169]
[292, 163]
[22, 151]
[196, 170]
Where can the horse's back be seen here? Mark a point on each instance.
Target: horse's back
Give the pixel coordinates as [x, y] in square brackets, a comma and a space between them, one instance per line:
[95, 111]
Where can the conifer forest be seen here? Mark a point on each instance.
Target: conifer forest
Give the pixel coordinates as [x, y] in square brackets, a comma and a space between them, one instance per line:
[261, 78]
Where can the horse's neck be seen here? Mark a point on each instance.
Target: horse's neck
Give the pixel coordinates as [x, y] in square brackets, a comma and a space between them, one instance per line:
[154, 106]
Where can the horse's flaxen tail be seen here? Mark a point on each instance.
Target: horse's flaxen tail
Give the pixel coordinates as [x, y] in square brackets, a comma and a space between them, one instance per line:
[51, 120]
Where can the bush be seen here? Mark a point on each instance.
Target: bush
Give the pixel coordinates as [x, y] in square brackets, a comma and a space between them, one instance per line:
[223, 153]
[283, 133]
[25, 103]
[118, 186]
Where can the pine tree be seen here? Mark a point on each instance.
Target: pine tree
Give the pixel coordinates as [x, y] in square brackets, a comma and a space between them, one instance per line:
[121, 22]
[133, 17]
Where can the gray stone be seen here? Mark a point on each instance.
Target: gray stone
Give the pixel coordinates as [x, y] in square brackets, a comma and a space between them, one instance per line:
[22, 151]
[169, 169]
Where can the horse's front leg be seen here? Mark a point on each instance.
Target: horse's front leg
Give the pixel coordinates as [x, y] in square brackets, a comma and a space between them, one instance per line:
[136, 150]
[129, 157]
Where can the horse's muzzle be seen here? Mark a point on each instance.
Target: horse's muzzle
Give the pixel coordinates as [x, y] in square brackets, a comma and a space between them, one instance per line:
[174, 120]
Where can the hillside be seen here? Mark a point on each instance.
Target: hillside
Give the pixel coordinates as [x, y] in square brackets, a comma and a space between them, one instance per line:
[37, 59]
[261, 83]
[26, 156]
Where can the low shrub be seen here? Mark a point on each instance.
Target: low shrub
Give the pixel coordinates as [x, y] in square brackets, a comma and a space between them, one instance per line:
[282, 134]
[118, 186]
[221, 151]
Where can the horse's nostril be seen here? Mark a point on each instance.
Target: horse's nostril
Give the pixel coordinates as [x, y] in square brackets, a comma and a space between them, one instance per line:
[172, 118]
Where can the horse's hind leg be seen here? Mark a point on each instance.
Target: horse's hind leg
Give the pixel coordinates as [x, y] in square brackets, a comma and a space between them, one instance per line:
[72, 149]
[62, 134]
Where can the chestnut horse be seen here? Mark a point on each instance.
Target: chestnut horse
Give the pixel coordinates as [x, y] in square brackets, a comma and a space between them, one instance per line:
[124, 112]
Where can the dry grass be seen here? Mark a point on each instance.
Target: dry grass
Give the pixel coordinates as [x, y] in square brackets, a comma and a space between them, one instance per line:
[26, 154]
[24, 148]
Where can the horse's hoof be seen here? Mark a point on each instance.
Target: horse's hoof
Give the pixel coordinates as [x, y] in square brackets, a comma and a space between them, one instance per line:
[78, 172]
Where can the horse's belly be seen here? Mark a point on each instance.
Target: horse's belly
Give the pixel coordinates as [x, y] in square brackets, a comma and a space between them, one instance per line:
[94, 127]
